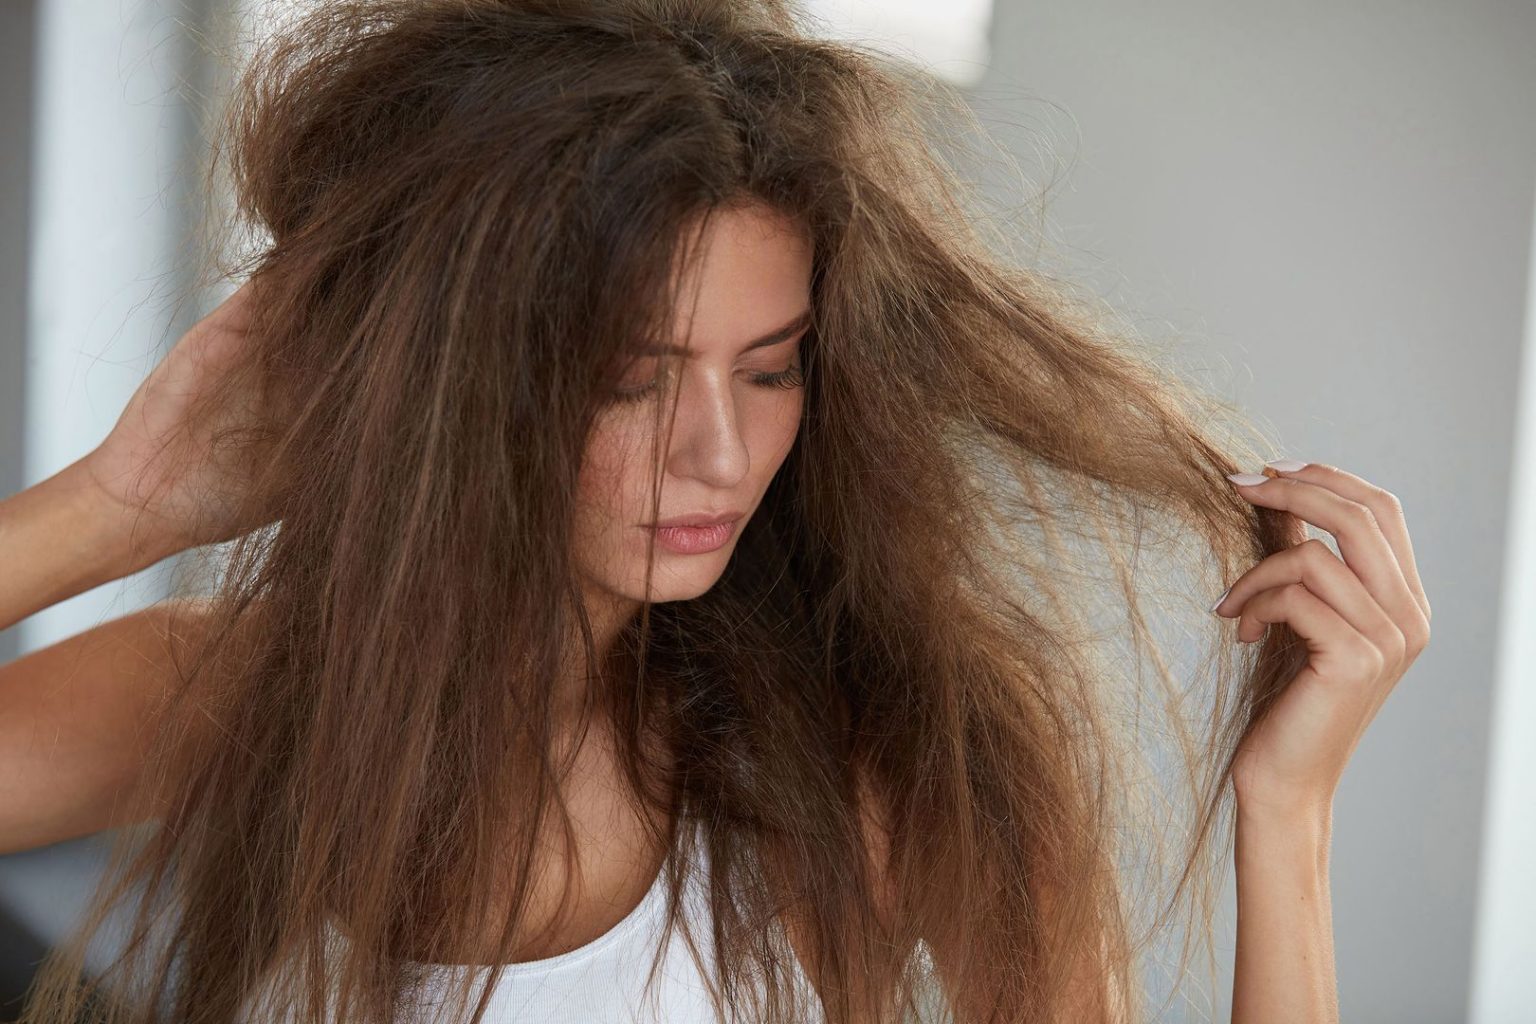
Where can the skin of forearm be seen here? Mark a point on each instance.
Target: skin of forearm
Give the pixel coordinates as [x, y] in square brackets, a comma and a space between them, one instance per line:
[59, 538]
[1284, 969]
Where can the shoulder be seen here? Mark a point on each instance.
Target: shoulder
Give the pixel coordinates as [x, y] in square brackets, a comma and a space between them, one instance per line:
[181, 628]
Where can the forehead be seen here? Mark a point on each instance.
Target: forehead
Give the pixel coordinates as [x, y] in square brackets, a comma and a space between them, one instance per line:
[750, 284]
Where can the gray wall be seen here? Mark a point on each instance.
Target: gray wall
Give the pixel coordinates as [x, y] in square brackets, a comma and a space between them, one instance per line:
[17, 24]
[18, 948]
[1334, 202]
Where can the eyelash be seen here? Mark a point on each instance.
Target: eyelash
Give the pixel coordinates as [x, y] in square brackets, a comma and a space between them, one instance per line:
[793, 377]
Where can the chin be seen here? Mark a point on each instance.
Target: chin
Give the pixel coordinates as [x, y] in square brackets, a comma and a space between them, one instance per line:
[676, 578]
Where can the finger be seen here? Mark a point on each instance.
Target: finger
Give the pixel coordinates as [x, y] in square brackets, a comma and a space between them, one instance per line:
[1337, 654]
[1314, 565]
[1361, 543]
[1384, 505]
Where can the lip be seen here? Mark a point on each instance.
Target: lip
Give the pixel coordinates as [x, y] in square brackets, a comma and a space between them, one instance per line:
[696, 519]
[695, 533]
[695, 540]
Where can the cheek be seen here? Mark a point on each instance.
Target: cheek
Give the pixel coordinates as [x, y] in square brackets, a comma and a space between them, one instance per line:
[776, 433]
[612, 473]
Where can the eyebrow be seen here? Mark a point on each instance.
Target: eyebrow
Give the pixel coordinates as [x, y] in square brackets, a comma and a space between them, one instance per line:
[773, 337]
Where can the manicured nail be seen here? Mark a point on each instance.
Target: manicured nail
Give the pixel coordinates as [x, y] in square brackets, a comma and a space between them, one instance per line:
[1247, 479]
[1220, 599]
[1287, 465]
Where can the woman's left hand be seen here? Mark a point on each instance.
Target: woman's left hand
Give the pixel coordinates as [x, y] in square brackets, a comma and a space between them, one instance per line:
[1364, 618]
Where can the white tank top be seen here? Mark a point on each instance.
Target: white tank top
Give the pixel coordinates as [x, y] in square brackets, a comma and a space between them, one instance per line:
[603, 981]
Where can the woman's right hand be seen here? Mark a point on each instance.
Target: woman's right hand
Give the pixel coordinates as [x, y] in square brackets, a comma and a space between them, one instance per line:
[163, 462]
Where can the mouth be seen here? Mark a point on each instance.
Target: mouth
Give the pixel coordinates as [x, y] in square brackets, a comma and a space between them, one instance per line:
[696, 538]
[692, 519]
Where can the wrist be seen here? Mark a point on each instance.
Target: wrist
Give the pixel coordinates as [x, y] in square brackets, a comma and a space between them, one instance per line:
[110, 539]
[56, 542]
[1259, 799]
[1283, 966]
[1298, 829]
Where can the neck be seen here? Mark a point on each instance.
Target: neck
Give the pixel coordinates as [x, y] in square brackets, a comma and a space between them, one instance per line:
[607, 614]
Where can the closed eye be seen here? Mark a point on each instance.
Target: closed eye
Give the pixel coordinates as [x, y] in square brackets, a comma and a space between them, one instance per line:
[790, 377]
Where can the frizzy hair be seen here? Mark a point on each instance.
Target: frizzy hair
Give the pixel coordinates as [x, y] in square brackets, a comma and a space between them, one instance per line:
[466, 212]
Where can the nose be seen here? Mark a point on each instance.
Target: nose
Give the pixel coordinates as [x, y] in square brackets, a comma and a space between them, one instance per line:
[707, 444]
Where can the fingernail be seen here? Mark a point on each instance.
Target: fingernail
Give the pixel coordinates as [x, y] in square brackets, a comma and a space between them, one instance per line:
[1287, 465]
[1247, 479]
[1220, 599]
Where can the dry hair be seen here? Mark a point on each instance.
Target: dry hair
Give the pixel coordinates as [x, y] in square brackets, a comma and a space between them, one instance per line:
[465, 213]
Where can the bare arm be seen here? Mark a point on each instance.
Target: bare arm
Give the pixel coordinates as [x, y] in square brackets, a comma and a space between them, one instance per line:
[73, 715]
[1284, 967]
[76, 718]
[59, 538]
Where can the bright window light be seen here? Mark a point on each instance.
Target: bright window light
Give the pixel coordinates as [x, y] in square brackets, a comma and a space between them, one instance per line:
[948, 36]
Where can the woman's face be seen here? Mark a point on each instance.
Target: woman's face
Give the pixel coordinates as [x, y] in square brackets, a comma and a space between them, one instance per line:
[739, 397]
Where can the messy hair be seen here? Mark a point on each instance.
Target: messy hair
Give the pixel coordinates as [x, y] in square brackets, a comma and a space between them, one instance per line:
[909, 723]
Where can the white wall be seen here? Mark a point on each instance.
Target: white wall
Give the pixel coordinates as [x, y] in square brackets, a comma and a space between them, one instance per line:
[1334, 201]
[110, 175]
[110, 185]
[1504, 986]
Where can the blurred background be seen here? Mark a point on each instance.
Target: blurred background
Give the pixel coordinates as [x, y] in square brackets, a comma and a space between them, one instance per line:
[1331, 201]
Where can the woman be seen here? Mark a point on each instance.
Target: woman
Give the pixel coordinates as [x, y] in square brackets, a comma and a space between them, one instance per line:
[660, 571]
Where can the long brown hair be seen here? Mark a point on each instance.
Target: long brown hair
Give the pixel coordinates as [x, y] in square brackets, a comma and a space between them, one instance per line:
[466, 213]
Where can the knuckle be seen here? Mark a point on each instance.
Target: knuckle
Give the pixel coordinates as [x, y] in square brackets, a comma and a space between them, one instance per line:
[1416, 637]
[1367, 658]
[1394, 644]
[1314, 550]
[1389, 502]
[1361, 514]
